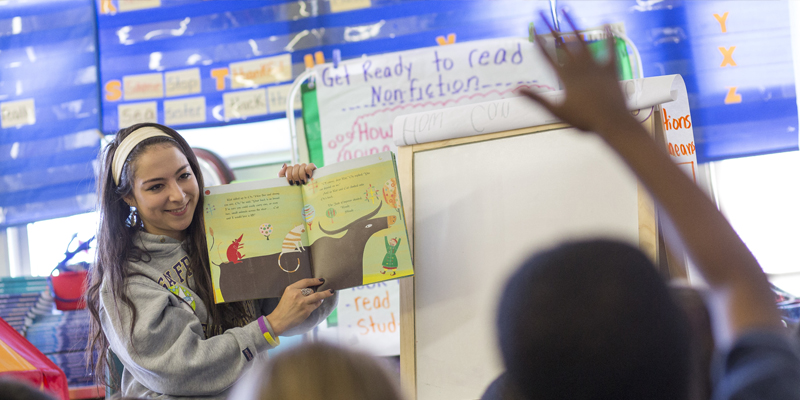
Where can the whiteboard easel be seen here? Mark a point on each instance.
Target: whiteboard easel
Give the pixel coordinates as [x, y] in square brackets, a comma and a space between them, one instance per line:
[465, 355]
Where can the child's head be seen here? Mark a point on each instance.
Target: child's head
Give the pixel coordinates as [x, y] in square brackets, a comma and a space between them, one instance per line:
[12, 388]
[324, 371]
[593, 320]
[392, 241]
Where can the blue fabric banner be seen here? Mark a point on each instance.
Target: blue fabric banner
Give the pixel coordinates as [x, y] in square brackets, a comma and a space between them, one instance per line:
[49, 109]
[185, 60]
[735, 57]
[190, 63]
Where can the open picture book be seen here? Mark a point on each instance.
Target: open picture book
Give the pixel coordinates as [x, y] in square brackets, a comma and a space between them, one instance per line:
[345, 225]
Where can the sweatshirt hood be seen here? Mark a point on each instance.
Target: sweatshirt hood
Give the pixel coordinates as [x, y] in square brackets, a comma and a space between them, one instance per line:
[160, 252]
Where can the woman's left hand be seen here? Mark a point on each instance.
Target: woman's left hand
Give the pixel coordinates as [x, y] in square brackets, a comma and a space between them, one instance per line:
[297, 174]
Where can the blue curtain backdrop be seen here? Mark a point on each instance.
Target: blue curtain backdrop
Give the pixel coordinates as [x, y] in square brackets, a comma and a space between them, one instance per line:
[47, 149]
[752, 57]
[759, 116]
[182, 35]
[740, 81]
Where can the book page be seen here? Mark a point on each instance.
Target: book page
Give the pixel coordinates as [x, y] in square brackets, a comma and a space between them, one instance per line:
[356, 226]
[257, 239]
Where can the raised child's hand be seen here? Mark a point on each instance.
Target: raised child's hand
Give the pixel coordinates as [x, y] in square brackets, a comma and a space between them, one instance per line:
[297, 174]
[593, 98]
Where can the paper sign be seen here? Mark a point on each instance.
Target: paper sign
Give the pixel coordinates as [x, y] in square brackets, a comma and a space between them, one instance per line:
[518, 112]
[277, 98]
[144, 86]
[133, 5]
[676, 122]
[135, 113]
[183, 82]
[190, 110]
[348, 5]
[369, 318]
[245, 103]
[359, 100]
[261, 71]
[16, 113]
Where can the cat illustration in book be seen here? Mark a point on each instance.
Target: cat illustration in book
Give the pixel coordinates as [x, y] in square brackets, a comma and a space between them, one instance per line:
[233, 250]
[292, 243]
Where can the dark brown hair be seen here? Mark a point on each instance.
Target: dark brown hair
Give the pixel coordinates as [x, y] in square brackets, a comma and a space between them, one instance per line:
[13, 388]
[115, 247]
[593, 320]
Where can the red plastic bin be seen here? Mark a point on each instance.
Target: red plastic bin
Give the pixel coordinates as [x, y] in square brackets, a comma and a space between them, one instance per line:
[69, 288]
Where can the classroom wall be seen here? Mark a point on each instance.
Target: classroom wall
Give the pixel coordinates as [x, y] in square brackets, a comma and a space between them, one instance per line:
[156, 42]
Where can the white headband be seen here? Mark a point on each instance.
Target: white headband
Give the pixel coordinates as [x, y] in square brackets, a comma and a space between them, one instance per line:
[128, 144]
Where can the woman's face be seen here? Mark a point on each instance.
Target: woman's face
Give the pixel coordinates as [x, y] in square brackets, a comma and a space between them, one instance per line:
[165, 191]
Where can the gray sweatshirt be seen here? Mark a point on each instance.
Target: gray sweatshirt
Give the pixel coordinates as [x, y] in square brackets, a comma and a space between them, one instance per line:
[168, 355]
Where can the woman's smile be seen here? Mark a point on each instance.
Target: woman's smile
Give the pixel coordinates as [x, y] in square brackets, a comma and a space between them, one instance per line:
[178, 211]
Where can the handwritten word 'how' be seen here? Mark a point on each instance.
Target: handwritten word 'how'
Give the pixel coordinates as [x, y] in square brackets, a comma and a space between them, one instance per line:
[363, 132]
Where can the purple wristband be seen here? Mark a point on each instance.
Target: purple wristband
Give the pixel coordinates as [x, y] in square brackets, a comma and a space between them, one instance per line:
[272, 340]
[262, 324]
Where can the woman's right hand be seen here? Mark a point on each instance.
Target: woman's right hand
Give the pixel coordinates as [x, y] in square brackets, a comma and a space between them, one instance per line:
[294, 308]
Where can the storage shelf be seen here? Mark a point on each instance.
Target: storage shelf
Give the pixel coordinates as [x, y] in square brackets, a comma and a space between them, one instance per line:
[87, 392]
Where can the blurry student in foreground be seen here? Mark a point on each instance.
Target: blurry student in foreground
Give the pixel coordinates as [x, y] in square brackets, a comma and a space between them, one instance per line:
[317, 371]
[593, 320]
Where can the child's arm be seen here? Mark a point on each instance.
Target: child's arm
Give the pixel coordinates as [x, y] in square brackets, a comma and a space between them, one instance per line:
[594, 102]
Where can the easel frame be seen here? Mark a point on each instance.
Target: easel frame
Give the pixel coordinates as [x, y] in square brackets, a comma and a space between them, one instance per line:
[648, 230]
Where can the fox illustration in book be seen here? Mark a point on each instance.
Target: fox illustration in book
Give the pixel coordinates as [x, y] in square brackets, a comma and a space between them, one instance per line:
[233, 250]
[232, 254]
[292, 243]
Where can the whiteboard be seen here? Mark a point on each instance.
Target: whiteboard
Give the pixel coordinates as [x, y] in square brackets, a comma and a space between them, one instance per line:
[479, 210]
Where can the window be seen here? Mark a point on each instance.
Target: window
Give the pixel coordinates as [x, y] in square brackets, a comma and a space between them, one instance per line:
[47, 241]
[245, 145]
[760, 196]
